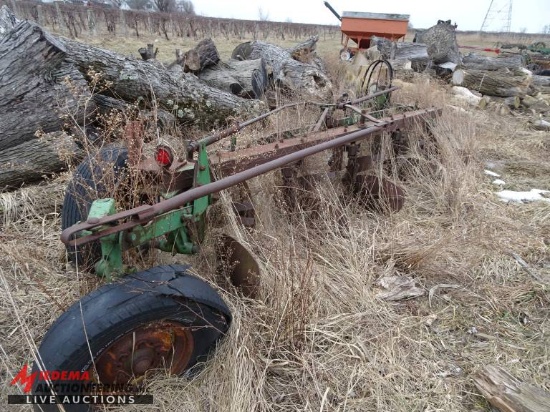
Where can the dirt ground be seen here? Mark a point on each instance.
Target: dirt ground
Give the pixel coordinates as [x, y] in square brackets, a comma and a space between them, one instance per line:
[320, 337]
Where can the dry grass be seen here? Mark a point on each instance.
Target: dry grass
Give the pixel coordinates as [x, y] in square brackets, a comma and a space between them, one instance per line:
[319, 338]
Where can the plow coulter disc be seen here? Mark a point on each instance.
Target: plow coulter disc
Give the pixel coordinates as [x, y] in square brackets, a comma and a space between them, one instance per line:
[238, 265]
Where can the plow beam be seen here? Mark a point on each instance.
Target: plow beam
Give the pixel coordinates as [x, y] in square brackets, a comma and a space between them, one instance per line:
[143, 214]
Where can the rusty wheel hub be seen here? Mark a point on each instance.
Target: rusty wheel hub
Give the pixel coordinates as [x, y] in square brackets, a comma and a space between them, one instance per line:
[165, 345]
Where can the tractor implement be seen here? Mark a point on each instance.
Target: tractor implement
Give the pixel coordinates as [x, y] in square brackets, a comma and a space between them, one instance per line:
[263, 159]
[165, 318]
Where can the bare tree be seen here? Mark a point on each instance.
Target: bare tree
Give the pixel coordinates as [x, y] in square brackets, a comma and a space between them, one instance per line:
[186, 7]
[263, 16]
[116, 3]
[140, 4]
[165, 6]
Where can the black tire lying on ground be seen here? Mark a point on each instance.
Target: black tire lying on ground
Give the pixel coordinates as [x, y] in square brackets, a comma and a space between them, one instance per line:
[160, 319]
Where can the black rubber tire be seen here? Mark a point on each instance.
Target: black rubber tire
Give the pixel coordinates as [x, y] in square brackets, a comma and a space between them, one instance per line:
[86, 186]
[163, 293]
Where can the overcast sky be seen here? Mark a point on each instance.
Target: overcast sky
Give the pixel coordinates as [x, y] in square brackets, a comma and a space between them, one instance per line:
[531, 15]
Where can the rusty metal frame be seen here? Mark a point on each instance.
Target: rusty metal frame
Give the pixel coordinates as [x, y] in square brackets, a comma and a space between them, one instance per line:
[267, 157]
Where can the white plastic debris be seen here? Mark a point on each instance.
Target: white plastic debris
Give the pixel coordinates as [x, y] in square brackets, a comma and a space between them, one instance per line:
[499, 182]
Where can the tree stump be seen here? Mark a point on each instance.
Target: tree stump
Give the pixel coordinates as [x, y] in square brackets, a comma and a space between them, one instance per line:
[148, 53]
[441, 43]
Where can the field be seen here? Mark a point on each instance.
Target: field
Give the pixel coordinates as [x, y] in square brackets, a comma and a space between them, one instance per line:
[320, 338]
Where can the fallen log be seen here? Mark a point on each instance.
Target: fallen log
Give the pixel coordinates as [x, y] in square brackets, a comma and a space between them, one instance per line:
[7, 21]
[208, 54]
[132, 80]
[508, 394]
[305, 53]
[492, 83]
[33, 160]
[474, 61]
[46, 85]
[390, 50]
[189, 61]
[203, 55]
[541, 83]
[287, 73]
[39, 87]
[246, 78]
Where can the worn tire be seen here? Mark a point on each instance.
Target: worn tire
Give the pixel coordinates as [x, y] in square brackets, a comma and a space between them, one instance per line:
[88, 184]
[115, 311]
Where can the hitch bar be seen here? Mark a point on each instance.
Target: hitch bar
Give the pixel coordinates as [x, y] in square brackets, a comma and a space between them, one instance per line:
[143, 214]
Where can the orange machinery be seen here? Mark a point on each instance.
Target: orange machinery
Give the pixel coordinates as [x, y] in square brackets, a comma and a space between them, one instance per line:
[359, 27]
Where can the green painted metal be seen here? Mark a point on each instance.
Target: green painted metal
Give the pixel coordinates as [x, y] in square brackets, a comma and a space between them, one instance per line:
[171, 224]
[183, 229]
[200, 206]
[111, 250]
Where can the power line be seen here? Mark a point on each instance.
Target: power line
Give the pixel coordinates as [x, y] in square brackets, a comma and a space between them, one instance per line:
[498, 17]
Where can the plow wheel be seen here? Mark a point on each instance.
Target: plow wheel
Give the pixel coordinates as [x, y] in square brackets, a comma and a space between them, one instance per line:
[378, 77]
[161, 320]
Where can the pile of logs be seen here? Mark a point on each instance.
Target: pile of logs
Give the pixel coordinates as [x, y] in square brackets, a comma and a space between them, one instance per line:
[53, 89]
[480, 80]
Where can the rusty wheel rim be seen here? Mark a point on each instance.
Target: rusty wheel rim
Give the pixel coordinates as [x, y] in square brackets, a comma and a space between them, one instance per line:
[165, 346]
